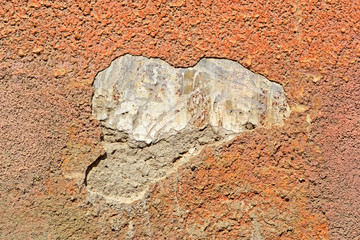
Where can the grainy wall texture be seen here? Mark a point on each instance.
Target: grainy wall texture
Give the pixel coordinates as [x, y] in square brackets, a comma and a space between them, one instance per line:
[300, 180]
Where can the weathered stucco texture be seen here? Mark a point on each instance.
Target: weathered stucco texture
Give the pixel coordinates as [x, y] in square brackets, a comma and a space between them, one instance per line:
[296, 181]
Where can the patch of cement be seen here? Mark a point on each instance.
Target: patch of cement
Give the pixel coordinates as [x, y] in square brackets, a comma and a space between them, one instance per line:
[155, 116]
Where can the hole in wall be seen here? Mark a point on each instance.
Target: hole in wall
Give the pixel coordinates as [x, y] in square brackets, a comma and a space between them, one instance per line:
[154, 117]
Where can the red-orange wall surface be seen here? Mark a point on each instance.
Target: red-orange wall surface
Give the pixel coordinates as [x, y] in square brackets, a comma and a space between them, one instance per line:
[296, 181]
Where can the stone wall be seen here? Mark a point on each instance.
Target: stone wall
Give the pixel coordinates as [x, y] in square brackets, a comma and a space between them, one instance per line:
[296, 180]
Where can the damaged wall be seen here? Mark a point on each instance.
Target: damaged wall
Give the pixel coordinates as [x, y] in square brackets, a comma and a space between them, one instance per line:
[295, 181]
[154, 117]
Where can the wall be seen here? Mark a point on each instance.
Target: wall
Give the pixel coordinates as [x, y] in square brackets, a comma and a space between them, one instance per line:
[299, 181]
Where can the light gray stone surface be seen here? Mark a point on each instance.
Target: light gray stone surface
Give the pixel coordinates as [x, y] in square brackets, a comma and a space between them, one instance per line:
[154, 115]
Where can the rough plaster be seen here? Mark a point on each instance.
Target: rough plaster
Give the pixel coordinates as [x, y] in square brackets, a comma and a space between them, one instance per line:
[154, 115]
[307, 170]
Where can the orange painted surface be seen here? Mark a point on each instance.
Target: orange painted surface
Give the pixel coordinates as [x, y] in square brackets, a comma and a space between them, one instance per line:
[50, 53]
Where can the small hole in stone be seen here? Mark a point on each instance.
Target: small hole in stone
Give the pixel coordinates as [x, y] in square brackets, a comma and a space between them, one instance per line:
[249, 126]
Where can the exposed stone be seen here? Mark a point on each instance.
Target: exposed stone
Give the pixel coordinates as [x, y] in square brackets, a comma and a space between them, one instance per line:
[155, 116]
